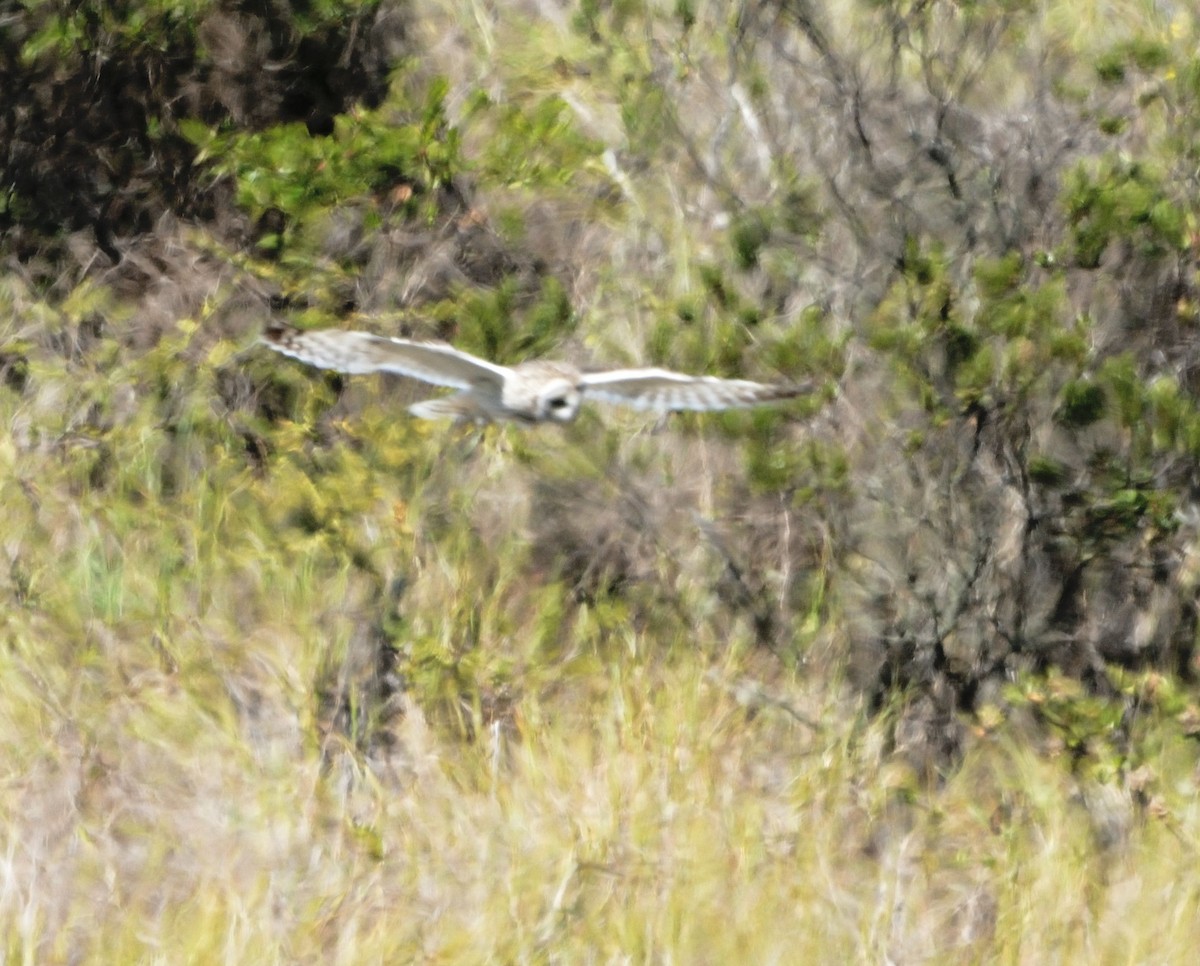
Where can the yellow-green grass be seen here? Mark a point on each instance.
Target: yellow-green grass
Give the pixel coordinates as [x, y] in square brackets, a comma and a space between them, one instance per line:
[566, 781]
[180, 800]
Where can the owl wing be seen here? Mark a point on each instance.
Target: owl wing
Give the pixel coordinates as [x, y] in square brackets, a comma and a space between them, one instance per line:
[458, 406]
[661, 390]
[357, 352]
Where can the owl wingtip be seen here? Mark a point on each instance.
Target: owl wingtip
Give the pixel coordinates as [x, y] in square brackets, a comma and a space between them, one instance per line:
[790, 390]
[277, 332]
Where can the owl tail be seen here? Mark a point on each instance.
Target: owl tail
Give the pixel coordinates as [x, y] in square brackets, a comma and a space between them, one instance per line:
[460, 406]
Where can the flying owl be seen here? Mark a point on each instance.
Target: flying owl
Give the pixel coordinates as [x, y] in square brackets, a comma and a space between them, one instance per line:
[531, 392]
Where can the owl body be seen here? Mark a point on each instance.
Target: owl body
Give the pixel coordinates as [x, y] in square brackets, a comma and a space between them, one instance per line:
[540, 390]
[531, 392]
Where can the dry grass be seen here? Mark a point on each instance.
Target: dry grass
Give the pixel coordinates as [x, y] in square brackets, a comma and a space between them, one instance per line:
[171, 795]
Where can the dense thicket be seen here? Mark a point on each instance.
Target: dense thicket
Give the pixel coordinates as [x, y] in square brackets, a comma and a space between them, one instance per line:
[95, 92]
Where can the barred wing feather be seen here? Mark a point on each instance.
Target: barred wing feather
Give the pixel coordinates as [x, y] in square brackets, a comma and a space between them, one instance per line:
[360, 352]
[661, 390]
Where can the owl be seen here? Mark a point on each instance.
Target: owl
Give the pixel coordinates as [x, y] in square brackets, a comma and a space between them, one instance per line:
[531, 392]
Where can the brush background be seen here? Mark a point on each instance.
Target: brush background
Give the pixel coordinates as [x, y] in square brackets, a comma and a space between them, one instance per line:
[901, 672]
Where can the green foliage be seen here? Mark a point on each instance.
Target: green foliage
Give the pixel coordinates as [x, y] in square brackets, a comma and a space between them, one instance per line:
[533, 144]
[549, 320]
[1007, 341]
[772, 466]
[487, 323]
[718, 332]
[1159, 417]
[1114, 199]
[1082, 404]
[685, 13]
[802, 347]
[67, 31]
[645, 109]
[286, 169]
[1145, 54]
[102, 89]
[750, 232]
[599, 17]
[1047, 471]
[1174, 418]
[801, 212]
[1095, 730]
[1024, 308]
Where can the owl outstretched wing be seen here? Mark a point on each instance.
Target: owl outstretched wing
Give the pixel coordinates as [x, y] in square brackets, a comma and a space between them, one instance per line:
[359, 352]
[660, 390]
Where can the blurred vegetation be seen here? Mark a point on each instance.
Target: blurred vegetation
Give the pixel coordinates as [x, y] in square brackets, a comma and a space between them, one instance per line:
[904, 670]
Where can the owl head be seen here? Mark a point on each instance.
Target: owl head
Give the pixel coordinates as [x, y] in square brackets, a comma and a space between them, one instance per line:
[558, 400]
